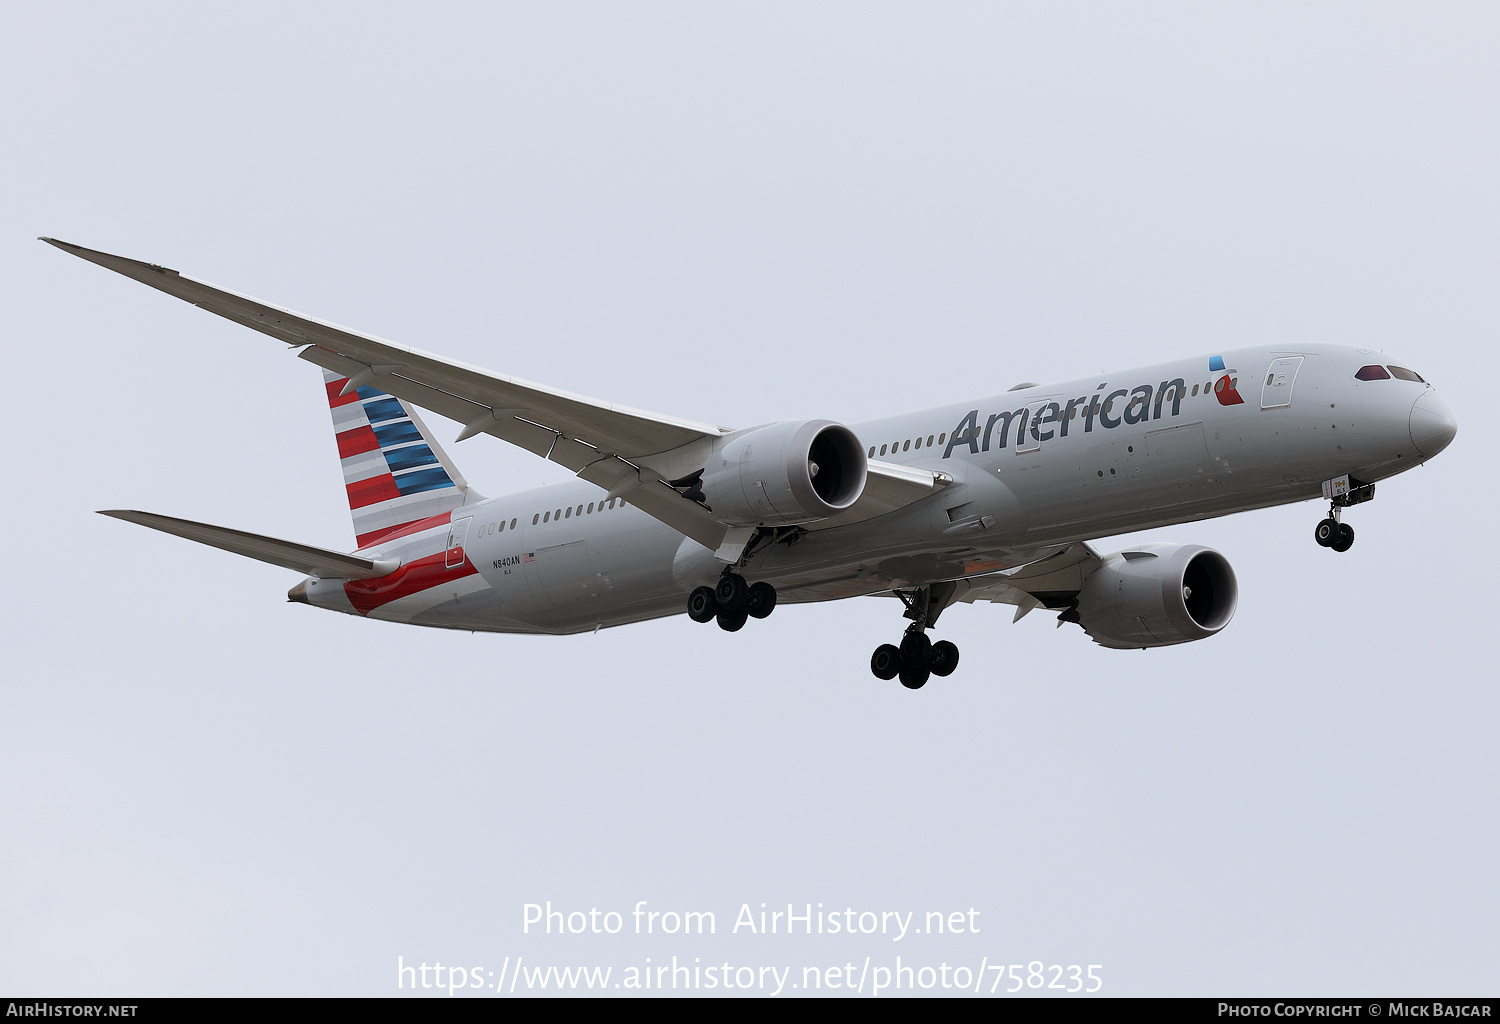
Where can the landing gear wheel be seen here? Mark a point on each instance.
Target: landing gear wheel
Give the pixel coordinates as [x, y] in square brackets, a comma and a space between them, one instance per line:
[886, 661]
[731, 621]
[914, 677]
[1346, 538]
[701, 605]
[1327, 533]
[731, 592]
[944, 658]
[916, 649]
[761, 600]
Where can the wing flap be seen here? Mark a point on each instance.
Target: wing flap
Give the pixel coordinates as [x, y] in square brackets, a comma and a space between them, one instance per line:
[1031, 585]
[303, 558]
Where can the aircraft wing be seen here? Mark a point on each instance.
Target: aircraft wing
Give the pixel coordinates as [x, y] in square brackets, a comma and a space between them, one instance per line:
[303, 558]
[604, 443]
[1051, 582]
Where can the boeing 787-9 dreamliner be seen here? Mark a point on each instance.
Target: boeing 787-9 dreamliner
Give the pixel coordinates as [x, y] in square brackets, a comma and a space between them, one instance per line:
[986, 499]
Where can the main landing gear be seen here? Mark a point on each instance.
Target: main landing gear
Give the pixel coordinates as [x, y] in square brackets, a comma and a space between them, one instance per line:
[1333, 532]
[918, 657]
[732, 601]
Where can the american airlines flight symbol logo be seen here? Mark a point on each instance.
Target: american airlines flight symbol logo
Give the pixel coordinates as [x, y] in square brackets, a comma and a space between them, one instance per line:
[1224, 389]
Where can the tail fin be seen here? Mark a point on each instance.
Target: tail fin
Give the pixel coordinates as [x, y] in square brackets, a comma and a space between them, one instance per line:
[396, 475]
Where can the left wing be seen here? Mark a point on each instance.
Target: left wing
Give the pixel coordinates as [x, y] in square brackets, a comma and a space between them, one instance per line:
[623, 450]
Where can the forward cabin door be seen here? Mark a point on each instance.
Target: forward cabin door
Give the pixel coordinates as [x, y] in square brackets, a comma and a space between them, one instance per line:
[1276, 392]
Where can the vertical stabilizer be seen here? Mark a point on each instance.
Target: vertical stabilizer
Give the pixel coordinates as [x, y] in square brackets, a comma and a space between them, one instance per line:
[395, 473]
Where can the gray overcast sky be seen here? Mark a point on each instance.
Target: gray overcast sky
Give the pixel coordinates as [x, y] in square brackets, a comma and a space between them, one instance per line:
[734, 214]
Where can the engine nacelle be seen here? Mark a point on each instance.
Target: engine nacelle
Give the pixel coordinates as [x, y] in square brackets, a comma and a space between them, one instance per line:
[784, 474]
[1157, 595]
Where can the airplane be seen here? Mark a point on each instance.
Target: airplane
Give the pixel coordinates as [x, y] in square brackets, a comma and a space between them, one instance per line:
[993, 499]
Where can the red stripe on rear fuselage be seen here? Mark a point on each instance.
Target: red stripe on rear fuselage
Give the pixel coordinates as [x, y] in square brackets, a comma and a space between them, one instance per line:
[412, 578]
[386, 533]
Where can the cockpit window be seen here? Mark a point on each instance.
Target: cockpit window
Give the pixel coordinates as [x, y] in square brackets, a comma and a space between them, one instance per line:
[1372, 373]
[1402, 373]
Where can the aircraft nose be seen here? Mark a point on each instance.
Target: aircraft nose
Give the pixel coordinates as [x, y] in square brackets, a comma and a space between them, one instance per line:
[1433, 424]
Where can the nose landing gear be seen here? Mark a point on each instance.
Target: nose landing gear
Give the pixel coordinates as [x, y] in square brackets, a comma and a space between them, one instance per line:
[918, 658]
[1341, 492]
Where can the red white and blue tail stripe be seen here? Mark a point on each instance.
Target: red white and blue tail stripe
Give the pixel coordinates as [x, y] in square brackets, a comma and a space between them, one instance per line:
[397, 477]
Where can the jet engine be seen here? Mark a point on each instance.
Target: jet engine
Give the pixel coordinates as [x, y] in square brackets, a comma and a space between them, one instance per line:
[783, 474]
[1157, 595]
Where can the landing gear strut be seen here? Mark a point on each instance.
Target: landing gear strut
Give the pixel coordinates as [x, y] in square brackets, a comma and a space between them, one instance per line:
[1333, 532]
[731, 601]
[918, 658]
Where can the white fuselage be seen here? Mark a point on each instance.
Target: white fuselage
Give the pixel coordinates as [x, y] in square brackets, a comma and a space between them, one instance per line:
[1033, 470]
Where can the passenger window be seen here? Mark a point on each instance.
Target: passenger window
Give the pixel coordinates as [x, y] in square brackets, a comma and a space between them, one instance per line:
[941, 437]
[569, 513]
[1402, 373]
[557, 514]
[882, 449]
[611, 502]
[512, 524]
[535, 518]
[1195, 391]
[919, 442]
[580, 510]
[906, 447]
[547, 518]
[929, 440]
[591, 508]
[502, 526]
[872, 451]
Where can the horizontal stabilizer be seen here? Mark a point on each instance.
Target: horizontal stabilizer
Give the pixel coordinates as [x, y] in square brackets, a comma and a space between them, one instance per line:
[301, 557]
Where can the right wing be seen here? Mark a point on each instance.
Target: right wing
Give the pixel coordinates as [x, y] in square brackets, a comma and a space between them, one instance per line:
[1052, 582]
